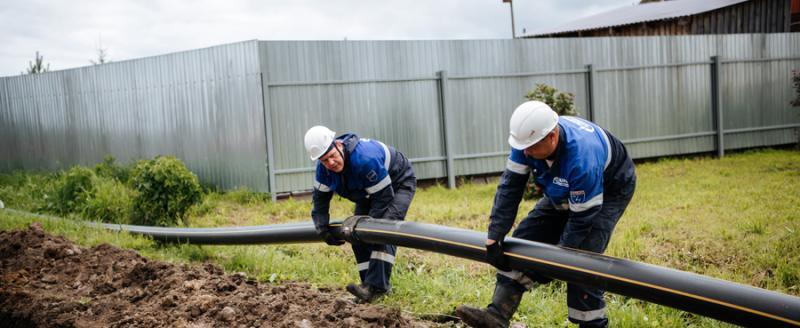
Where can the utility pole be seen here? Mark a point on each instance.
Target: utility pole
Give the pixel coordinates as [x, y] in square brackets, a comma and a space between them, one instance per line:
[513, 29]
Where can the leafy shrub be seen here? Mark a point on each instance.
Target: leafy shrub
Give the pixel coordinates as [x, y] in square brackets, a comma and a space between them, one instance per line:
[73, 189]
[30, 191]
[165, 188]
[109, 168]
[111, 202]
[561, 102]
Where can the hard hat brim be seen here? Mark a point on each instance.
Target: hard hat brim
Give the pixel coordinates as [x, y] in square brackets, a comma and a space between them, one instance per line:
[330, 146]
[519, 145]
[514, 143]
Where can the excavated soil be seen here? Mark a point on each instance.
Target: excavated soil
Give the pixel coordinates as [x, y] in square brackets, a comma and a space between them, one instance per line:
[47, 281]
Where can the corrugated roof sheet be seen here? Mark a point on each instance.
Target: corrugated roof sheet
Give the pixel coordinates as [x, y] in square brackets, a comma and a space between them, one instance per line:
[638, 14]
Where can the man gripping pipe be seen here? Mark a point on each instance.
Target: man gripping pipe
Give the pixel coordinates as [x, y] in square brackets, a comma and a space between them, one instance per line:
[378, 179]
[587, 178]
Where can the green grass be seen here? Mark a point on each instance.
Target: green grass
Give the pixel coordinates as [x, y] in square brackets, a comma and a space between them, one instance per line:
[736, 219]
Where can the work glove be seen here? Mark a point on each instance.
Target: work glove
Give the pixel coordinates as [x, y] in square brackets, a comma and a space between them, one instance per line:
[327, 236]
[495, 256]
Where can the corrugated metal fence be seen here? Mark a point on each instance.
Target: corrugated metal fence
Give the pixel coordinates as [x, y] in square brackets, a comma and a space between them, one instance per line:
[203, 106]
[445, 104]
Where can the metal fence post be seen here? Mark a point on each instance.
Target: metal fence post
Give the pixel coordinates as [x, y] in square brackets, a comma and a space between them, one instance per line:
[590, 92]
[443, 95]
[716, 101]
[270, 163]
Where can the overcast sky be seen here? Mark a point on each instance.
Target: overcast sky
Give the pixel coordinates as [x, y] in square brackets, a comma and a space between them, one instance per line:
[68, 33]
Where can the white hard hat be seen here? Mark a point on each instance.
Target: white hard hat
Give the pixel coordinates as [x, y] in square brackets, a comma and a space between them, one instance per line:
[530, 123]
[318, 140]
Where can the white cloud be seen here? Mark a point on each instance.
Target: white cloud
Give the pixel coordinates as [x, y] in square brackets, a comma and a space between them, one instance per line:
[68, 33]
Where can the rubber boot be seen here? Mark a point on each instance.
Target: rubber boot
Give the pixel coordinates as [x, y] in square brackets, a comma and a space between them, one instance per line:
[505, 301]
[365, 293]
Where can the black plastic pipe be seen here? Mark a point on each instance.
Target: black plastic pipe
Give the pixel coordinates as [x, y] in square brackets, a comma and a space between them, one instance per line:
[723, 300]
[267, 234]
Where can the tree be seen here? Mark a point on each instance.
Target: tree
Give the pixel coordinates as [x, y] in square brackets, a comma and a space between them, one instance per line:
[102, 57]
[37, 66]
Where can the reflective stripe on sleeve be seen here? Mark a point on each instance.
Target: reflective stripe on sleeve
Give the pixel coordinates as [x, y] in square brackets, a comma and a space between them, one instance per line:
[517, 167]
[580, 207]
[321, 187]
[608, 146]
[380, 185]
[388, 160]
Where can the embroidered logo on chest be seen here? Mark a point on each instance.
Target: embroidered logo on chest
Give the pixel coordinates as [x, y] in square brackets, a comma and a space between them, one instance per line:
[561, 182]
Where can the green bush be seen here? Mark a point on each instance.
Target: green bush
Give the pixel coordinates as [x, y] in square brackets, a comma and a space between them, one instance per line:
[561, 102]
[165, 188]
[111, 202]
[73, 189]
[109, 168]
[29, 191]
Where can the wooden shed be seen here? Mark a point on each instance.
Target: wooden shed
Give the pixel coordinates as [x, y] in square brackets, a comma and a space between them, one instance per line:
[684, 17]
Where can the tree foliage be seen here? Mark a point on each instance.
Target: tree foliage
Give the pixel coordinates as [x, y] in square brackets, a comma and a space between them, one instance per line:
[102, 57]
[37, 65]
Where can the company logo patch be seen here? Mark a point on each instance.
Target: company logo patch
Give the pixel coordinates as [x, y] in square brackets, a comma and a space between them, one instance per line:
[561, 182]
[577, 196]
[372, 176]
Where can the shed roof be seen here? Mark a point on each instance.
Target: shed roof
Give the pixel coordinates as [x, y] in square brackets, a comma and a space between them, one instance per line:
[646, 12]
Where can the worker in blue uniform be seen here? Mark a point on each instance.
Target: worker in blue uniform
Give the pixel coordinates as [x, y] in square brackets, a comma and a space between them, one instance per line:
[587, 179]
[378, 179]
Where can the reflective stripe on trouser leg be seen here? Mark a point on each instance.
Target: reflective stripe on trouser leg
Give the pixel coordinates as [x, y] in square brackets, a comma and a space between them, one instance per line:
[585, 306]
[375, 263]
[380, 266]
[362, 253]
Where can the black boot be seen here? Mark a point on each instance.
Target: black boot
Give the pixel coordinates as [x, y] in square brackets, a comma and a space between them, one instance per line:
[365, 293]
[505, 301]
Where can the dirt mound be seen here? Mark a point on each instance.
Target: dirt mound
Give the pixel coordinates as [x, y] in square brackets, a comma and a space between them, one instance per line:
[48, 281]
